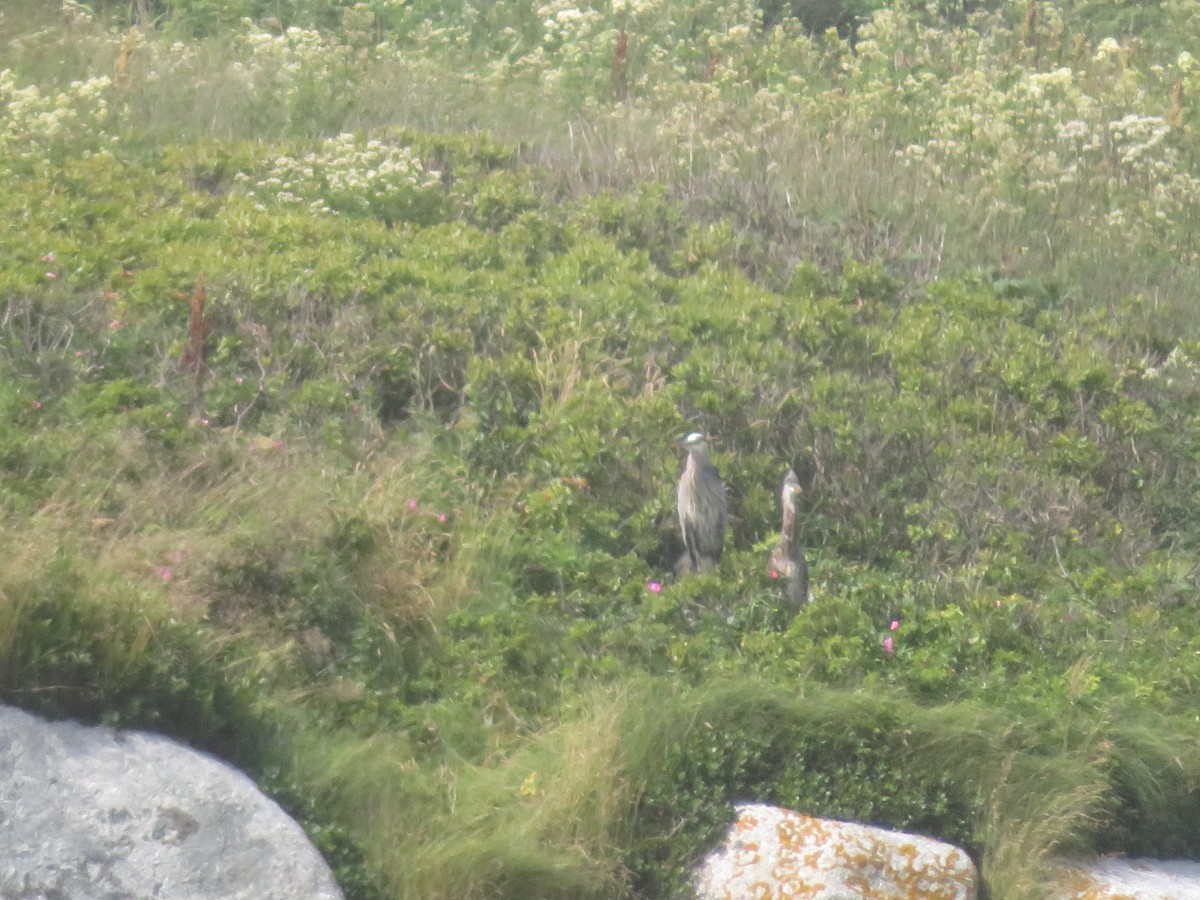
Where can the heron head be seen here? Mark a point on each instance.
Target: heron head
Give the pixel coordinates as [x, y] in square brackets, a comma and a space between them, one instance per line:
[791, 484]
[791, 488]
[694, 443]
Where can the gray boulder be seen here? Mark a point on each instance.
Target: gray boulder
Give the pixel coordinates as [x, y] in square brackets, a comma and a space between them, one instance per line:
[1120, 879]
[95, 813]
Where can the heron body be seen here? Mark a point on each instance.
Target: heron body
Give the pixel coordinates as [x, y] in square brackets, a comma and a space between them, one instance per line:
[788, 558]
[703, 509]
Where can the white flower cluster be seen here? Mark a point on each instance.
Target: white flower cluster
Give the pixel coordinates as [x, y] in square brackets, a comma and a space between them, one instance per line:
[1182, 365]
[1135, 138]
[30, 119]
[1107, 49]
[296, 54]
[635, 7]
[647, 44]
[563, 22]
[345, 175]
[75, 13]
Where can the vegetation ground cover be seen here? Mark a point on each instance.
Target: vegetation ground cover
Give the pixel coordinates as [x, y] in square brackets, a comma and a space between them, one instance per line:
[343, 351]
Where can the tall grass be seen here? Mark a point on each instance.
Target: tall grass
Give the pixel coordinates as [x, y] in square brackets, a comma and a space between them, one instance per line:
[600, 805]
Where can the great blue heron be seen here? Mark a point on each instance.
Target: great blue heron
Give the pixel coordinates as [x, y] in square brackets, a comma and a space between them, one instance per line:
[788, 558]
[703, 508]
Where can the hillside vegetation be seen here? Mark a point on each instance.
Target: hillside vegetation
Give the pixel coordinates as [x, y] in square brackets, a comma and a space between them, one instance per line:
[344, 349]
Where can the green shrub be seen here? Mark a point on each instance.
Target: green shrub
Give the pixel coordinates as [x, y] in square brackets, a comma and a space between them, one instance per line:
[77, 648]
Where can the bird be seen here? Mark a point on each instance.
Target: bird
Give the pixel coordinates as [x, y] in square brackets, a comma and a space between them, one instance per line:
[703, 508]
[787, 559]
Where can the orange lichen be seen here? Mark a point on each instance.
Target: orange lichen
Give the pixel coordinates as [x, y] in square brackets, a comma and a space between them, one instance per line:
[746, 822]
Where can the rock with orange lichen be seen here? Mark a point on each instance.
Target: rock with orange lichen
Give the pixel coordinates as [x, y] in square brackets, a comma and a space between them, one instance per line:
[772, 853]
[1131, 879]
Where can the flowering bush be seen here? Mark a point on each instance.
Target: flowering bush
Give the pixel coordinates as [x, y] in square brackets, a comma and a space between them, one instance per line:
[32, 121]
[352, 176]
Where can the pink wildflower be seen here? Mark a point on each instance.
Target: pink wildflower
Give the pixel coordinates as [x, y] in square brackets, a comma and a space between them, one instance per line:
[36, 404]
[773, 573]
[441, 517]
[412, 505]
[114, 324]
[654, 587]
[889, 645]
[165, 573]
[895, 625]
[52, 275]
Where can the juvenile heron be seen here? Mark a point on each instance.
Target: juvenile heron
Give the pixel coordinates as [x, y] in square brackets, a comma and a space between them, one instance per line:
[703, 508]
[788, 558]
